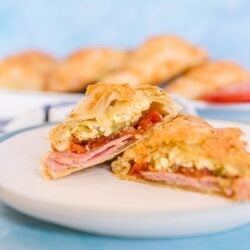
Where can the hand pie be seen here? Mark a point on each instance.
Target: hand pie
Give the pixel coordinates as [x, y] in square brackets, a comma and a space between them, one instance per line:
[105, 123]
[158, 60]
[208, 78]
[84, 67]
[189, 153]
[28, 70]
[122, 76]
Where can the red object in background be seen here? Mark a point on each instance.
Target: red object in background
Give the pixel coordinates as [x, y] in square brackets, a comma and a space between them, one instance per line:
[230, 95]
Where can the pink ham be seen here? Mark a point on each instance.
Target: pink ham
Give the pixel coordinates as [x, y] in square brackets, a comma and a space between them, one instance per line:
[239, 190]
[61, 161]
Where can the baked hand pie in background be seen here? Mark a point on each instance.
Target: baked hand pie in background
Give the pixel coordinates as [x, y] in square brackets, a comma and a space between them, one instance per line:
[84, 67]
[157, 60]
[28, 70]
[208, 78]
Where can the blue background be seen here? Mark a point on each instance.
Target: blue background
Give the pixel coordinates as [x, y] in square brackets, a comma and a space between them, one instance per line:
[223, 27]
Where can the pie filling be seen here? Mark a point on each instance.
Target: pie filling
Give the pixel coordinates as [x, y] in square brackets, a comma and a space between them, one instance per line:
[137, 168]
[145, 123]
[198, 179]
[95, 151]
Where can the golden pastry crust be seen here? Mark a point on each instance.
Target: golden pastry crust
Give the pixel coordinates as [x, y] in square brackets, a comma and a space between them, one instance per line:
[189, 141]
[107, 109]
[160, 59]
[84, 67]
[207, 78]
[28, 70]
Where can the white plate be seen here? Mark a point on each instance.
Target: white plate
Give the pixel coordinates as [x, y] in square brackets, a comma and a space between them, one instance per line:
[96, 201]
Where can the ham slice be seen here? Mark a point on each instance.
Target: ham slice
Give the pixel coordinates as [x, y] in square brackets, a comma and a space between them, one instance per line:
[56, 163]
[239, 190]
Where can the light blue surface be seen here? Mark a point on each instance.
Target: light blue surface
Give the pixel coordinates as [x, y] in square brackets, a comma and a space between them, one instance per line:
[223, 27]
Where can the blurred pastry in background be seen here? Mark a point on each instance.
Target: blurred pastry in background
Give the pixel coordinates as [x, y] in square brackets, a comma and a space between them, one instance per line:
[122, 76]
[208, 78]
[84, 67]
[158, 60]
[28, 70]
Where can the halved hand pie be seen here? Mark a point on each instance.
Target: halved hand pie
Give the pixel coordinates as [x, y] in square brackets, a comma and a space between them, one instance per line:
[187, 152]
[105, 123]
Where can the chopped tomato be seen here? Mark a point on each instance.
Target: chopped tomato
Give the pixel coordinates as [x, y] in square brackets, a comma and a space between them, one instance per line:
[77, 148]
[230, 95]
[98, 142]
[155, 117]
[137, 167]
[149, 119]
